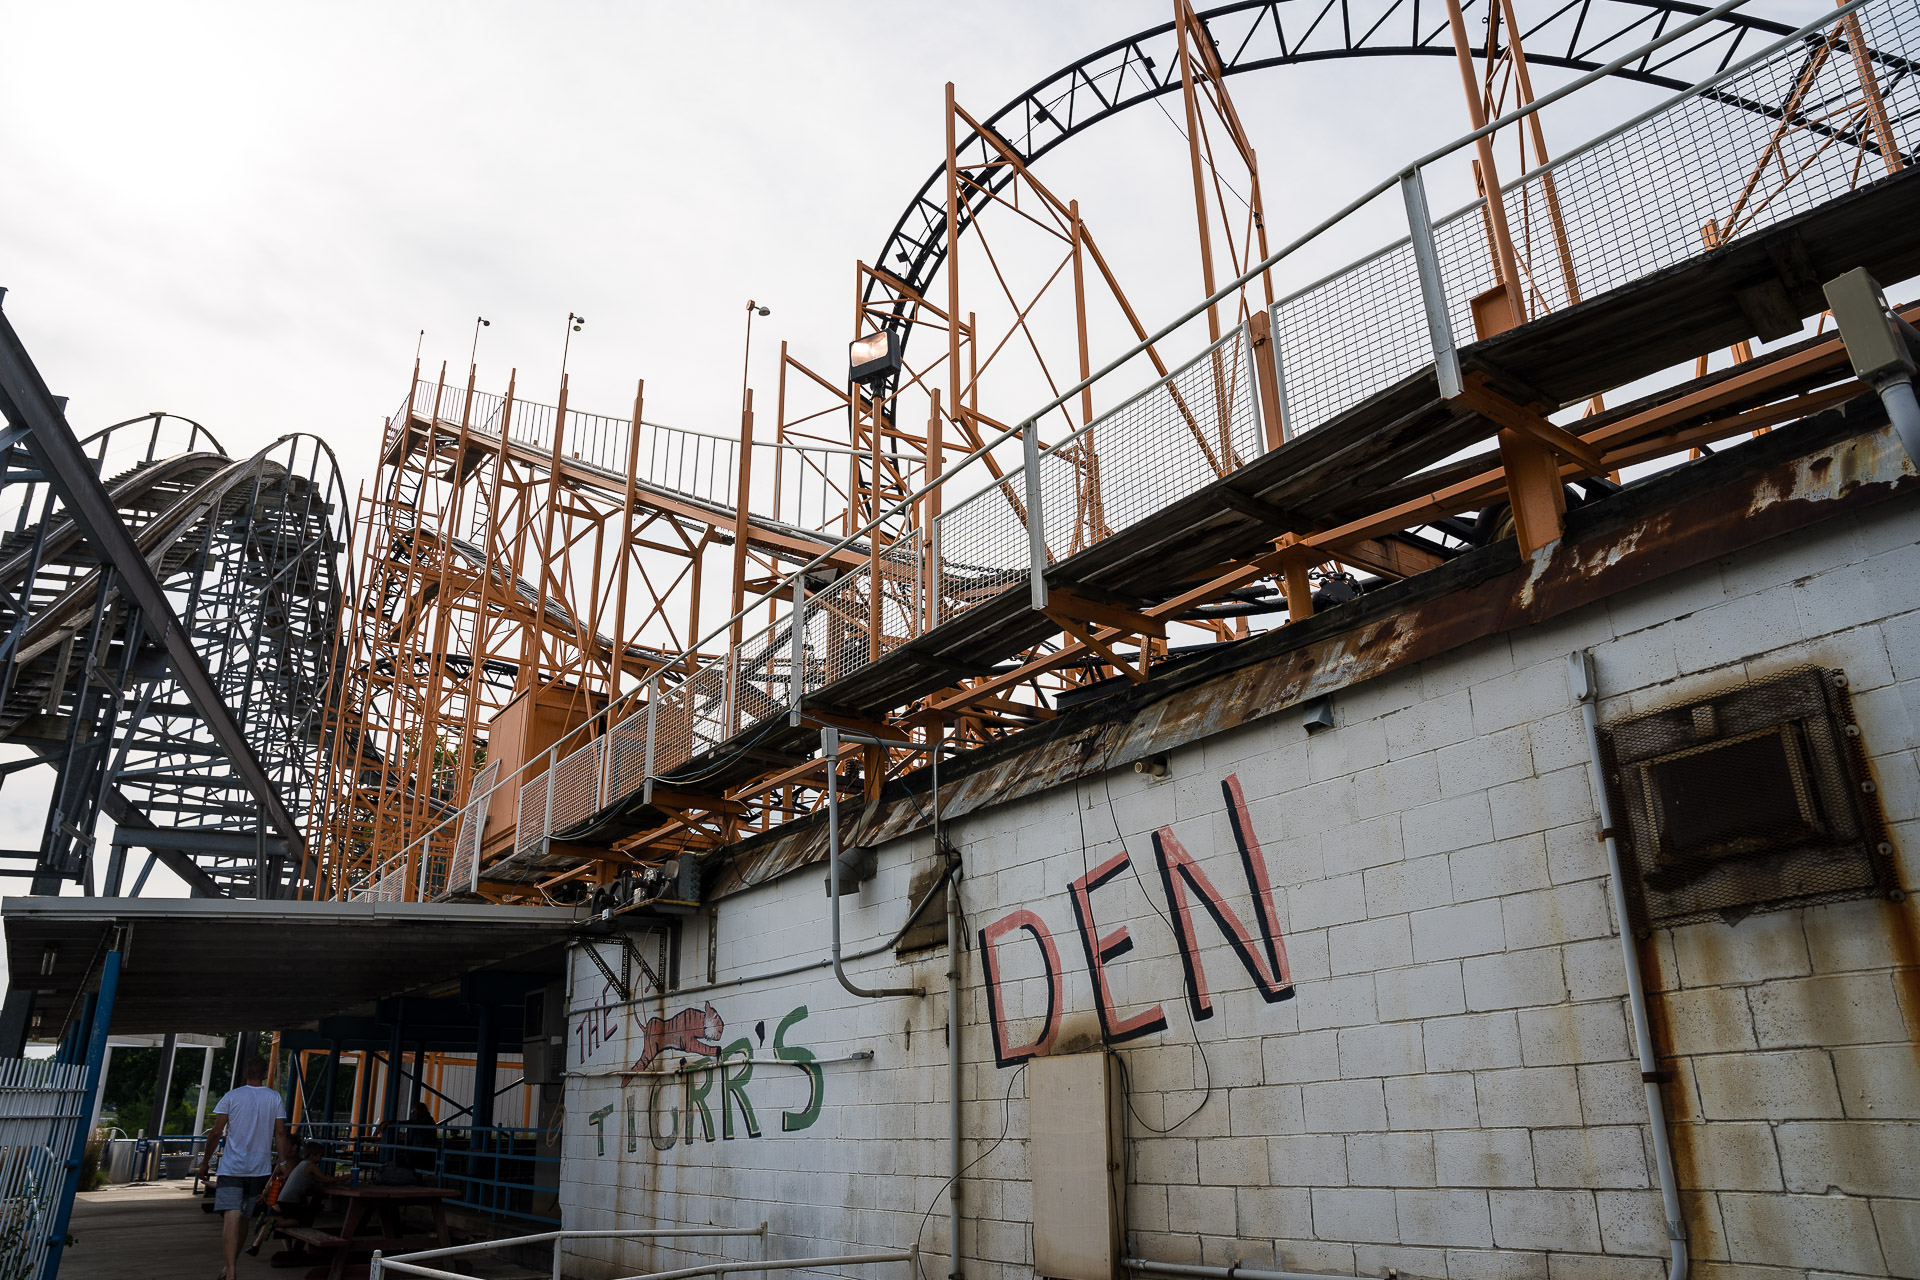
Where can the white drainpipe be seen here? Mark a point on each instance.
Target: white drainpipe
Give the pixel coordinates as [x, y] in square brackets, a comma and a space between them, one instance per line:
[1580, 677]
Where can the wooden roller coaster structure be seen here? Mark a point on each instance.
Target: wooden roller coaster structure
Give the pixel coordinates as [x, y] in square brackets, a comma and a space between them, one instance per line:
[526, 706]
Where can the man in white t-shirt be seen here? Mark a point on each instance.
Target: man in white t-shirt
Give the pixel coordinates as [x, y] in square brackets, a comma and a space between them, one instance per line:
[254, 1122]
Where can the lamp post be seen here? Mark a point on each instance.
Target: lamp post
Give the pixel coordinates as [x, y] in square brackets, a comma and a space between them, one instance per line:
[474, 355]
[746, 359]
[743, 485]
[573, 326]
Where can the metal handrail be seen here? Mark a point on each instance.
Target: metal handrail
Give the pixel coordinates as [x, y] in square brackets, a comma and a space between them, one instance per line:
[408, 1263]
[911, 1256]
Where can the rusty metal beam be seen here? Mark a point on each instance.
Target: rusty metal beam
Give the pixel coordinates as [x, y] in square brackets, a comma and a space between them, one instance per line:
[1840, 461]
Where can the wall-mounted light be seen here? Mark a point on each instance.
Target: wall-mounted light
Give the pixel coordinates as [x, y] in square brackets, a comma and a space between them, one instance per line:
[49, 955]
[873, 358]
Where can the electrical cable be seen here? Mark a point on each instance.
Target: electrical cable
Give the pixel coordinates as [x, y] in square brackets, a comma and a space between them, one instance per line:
[1206, 1064]
[1006, 1123]
[715, 767]
[1208, 159]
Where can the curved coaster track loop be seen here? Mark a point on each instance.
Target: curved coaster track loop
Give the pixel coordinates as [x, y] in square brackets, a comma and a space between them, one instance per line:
[249, 551]
[1258, 35]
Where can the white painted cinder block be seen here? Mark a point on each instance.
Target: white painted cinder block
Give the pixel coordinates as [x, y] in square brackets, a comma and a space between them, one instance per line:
[1443, 1083]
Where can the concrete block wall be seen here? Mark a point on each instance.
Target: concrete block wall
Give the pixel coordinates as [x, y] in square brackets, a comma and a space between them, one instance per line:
[1450, 1090]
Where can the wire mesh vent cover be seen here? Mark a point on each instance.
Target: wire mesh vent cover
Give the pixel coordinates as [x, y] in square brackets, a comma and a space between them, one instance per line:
[1756, 799]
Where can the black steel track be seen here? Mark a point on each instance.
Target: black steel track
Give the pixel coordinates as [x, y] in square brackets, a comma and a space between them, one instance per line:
[165, 640]
[1256, 35]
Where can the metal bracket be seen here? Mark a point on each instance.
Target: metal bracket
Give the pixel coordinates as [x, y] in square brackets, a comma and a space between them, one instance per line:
[617, 981]
[1433, 289]
[1036, 521]
[797, 651]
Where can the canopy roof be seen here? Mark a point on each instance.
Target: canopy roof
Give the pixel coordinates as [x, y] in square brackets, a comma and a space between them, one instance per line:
[219, 964]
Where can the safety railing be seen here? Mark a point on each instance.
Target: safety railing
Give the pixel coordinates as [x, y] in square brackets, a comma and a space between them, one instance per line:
[910, 1256]
[1699, 171]
[1644, 196]
[411, 1263]
[459, 871]
[388, 883]
[499, 1171]
[42, 1104]
[801, 485]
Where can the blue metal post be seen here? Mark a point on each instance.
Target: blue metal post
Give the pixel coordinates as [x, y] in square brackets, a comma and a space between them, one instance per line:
[96, 1053]
[486, 1066]
[333, 1072]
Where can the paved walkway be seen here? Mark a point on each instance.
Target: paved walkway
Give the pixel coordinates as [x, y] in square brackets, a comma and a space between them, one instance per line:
[149, 1231]
[155, 1231]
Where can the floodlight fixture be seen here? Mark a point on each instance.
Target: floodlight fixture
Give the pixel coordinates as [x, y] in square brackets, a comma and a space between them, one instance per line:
[874, 358]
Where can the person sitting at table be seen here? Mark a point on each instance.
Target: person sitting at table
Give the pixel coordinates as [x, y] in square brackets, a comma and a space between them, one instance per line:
[298, 1203]
[265, 1216]
[422, 1137]
[306, 1186]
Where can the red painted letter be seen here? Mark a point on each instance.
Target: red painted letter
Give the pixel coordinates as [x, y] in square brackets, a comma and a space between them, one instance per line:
[989, 938]
[1101, 950]
[1268, 965]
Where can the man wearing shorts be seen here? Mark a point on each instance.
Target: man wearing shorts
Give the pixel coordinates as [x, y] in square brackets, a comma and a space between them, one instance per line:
[255, 1126]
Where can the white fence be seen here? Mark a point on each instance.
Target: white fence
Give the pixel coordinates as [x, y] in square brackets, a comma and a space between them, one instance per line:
[42, 1103]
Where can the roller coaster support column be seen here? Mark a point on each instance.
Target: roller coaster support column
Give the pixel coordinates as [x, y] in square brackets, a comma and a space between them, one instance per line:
[25, 400]
[1533, 473]
[95, 1050]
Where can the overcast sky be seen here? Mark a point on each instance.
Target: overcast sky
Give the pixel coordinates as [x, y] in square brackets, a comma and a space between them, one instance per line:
[246, 214]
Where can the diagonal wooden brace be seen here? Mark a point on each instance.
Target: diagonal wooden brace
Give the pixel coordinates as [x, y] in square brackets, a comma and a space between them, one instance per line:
[1063, 604]
[1523, 419]
[1100, 645]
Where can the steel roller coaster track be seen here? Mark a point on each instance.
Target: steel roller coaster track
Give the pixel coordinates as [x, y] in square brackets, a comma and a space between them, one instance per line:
[1256, 35]
[168, 617]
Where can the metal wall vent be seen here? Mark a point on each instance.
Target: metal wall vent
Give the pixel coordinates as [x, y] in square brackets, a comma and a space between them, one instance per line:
[1756, 799]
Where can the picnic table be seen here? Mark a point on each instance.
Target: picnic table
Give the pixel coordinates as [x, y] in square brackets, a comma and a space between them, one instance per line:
[386, 1202]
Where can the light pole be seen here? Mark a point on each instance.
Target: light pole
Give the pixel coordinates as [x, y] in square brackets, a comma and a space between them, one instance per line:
[474, 355]
[573, 326]
[753, 309]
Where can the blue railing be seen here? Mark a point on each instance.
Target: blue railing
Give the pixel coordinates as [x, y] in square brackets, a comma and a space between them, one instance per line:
[501, 1172]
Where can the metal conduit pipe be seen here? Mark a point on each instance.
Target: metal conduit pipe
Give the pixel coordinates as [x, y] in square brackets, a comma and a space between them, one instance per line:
[952, 880]
[1903, 410]
[805, 966]
[1580, 679]
[1234, 1272]
[830, 752]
